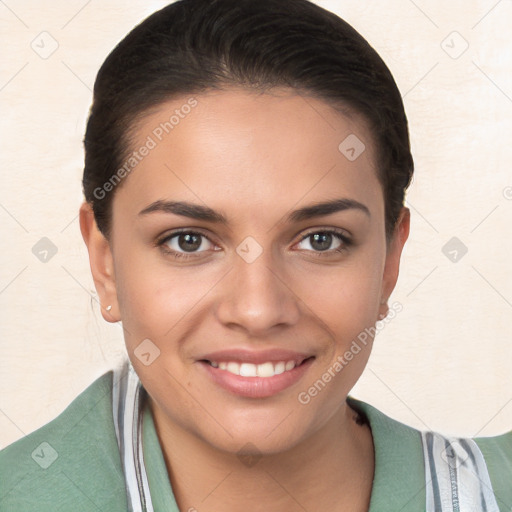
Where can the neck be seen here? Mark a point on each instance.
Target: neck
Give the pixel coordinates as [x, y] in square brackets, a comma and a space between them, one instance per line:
[330, 470]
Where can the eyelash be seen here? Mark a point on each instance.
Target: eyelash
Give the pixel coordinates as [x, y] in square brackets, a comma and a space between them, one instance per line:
[340, 234]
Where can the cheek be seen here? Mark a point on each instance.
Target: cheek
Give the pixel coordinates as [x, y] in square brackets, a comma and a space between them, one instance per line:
[153, 307]
[159, 302]
[151, 302]
[347, 298]
[143, 292]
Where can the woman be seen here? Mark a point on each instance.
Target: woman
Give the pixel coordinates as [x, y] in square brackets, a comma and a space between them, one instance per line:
[245, 171]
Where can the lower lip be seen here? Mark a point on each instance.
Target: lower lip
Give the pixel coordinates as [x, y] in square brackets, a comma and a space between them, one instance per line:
[256, 387]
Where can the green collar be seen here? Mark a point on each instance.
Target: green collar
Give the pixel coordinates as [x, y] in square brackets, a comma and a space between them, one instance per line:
[399, 480]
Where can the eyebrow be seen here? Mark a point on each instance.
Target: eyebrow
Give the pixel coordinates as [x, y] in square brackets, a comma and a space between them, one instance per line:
[199, 212]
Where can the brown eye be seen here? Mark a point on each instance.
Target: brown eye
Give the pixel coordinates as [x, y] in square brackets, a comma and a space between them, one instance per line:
[184, 244]
[189, 241]
[323, 241]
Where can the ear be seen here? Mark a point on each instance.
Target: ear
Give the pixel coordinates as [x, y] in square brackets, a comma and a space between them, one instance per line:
[101, 262]
[394, 251]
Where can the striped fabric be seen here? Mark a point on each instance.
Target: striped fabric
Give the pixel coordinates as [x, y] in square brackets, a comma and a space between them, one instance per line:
[456, 475]
[127, 403]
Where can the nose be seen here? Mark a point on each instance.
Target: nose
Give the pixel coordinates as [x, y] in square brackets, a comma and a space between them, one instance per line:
[257, 296]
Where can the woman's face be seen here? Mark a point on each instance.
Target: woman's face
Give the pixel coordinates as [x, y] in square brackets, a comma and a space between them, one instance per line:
[258, 275]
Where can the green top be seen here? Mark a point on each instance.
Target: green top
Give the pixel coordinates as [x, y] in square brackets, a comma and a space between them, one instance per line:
[73, 462]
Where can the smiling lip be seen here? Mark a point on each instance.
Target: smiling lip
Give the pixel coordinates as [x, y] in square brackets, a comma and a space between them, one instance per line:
[255, 387]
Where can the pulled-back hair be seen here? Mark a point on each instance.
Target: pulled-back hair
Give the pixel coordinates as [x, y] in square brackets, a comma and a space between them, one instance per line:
[191, 46]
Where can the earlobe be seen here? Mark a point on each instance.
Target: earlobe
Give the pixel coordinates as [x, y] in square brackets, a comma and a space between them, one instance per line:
[383, 309]
[101, 264]
[403, 226]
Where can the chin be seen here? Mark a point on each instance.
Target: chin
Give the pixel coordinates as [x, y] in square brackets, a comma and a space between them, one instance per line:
[251, 444]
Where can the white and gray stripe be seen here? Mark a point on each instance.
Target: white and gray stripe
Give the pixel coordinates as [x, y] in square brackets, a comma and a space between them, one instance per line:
[456, 475]
[127, 404]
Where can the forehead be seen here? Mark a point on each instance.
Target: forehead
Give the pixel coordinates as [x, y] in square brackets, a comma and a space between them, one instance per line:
[244, 148]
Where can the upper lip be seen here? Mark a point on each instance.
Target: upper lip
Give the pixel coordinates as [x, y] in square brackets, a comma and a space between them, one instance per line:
[256, 357]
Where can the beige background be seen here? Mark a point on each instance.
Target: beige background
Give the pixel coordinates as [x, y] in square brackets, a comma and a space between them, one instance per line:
[443, 363]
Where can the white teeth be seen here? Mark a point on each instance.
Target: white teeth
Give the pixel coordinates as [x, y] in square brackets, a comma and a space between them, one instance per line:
[279, 368]
[267, 369]
[247, 370]
[233, 368]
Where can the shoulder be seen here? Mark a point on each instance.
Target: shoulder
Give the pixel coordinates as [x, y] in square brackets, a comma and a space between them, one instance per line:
[497, 452]
[451, 462]
[71, 463]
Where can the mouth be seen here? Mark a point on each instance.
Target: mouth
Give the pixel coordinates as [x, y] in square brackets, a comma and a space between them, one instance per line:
[256, 380]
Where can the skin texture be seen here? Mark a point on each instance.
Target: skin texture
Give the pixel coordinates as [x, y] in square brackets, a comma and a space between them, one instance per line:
[254, 157]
